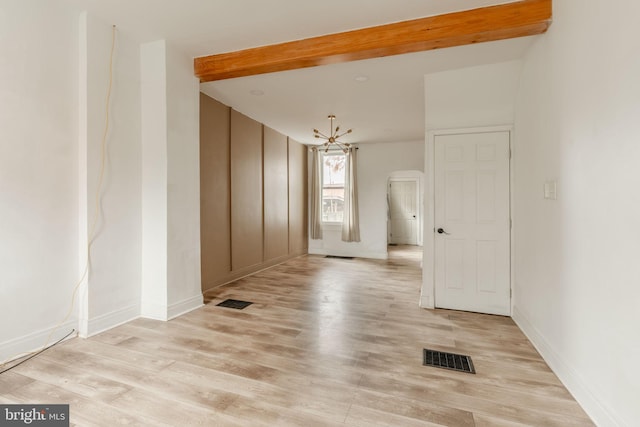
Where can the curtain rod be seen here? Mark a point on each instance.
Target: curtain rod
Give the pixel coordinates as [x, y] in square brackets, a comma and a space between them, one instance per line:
[319, 148]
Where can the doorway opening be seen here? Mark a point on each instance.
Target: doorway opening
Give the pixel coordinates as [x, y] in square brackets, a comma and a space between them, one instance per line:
[405, 209]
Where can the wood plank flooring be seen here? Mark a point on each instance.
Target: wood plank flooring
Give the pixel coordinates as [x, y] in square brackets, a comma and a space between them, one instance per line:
[327, 342]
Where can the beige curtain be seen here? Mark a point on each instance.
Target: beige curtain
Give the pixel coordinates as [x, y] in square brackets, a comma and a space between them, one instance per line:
[350, 221]
[316, 195]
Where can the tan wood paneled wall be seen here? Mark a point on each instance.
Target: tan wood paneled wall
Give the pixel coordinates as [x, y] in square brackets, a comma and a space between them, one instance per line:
[246, 192]
[253, 195]
[298, 236]
[215, 192]
[276, 191]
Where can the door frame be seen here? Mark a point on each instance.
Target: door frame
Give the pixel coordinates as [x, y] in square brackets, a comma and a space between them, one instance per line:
[428, 291]
[409, 175]
[418, 233]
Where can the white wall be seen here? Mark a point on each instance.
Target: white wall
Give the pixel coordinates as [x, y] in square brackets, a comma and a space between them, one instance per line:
[171, 282]
[376, 161]
[465, 99]
[112, 291]
[154, 179]
[577, 289]
[38, 172]
[183, 186]
[54, 66]
[471, 97]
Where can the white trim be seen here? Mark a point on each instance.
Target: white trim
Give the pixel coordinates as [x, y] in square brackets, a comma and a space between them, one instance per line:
[408, 176]
[331, 225]
[154, 311]
[83, 189]
[355, 253]
[428, 291]
[328, 225]
[35, 341]
[575, 384]
[185, 306]
[512, 209]
[110, 320]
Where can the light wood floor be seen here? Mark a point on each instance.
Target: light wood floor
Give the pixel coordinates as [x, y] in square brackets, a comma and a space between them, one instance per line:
[327, 342]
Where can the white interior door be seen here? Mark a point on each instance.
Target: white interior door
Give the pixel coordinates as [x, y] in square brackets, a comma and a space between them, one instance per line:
[472, 222]
[403, 205]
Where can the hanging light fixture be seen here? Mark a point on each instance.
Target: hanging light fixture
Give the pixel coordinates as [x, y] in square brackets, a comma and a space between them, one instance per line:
[332, 139]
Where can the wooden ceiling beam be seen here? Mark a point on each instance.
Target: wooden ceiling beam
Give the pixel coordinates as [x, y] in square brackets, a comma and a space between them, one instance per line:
[517, 19]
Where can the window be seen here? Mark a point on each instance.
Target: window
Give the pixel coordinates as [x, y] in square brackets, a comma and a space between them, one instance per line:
[333, 173]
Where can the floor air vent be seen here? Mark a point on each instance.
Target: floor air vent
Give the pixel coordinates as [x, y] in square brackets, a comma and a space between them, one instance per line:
[455, 362]
[234, 303]
[338, 257]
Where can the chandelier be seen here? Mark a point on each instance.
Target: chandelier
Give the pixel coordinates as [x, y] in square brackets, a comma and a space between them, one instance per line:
[333, 137]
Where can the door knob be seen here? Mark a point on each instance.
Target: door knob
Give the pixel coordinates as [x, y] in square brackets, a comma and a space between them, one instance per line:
[441, 231]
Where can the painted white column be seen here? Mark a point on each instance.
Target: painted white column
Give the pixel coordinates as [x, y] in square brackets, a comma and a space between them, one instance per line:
[171, 280]
[154, 180]
[184, 291]
[83, 230]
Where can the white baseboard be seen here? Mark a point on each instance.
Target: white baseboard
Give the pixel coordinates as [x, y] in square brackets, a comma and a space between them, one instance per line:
[185, 306]
[164, 313]
[35, 341]
[110, 320]
[355, 254]
[427, 302]
[601, 415]
[154, 311]
[16, 347]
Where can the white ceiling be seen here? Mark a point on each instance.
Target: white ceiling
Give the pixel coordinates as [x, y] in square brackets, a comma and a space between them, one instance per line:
[389, 106]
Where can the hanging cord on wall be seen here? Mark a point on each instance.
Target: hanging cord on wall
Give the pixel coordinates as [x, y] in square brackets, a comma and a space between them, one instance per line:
[35, 353]
[92, 230]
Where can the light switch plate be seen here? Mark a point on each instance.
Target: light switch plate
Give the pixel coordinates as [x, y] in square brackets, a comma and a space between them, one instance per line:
[550, 190]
